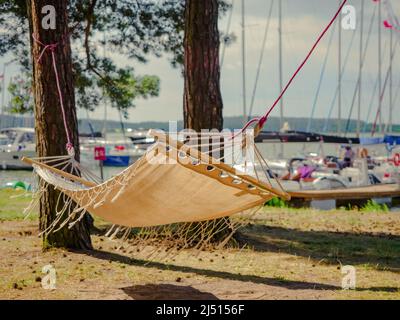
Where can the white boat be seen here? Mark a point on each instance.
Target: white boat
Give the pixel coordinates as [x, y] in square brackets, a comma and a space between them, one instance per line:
[328, 175]
[141, 139]
[16, 143]
[118, 153]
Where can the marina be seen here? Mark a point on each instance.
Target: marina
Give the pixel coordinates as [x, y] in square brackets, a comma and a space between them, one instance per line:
[328, 181]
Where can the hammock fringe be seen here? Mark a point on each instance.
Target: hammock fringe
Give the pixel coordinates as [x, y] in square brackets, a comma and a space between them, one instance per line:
[217, 193]
[159, 242]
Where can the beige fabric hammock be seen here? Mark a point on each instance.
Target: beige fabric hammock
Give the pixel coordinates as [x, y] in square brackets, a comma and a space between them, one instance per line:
[152, 193]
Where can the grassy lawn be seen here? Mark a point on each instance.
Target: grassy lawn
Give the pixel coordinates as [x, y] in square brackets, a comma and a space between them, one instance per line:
[282, 254]
[370, 239]
[13, 203]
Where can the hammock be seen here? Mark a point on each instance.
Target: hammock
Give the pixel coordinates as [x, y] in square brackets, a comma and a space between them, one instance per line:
[153, 192]
[197, 187]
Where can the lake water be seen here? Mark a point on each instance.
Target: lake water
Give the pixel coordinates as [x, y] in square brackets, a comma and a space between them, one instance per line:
[270, 150]
[27, 176]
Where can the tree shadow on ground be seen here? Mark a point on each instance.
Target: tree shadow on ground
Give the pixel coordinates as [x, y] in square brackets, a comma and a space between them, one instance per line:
[293, 285]
[282, 283]
[380, 251]
[166, 292]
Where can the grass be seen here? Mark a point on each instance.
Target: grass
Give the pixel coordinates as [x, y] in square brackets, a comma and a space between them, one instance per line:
[13, 203]
[373, 206]
[285, 254]
[346, 237]
[277, 203]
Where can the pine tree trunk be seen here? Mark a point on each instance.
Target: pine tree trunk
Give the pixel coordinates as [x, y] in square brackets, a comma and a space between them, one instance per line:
[202, 97]
[51, 138]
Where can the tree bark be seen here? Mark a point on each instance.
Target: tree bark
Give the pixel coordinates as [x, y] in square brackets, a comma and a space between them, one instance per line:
[203, 104]
[51, 138]
[202, 98]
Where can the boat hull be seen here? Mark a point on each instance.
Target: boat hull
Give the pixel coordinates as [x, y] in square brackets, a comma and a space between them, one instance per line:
[117, 161]
[12, 160]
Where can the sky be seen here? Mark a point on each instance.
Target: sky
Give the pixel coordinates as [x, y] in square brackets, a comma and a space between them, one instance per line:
[303, 21]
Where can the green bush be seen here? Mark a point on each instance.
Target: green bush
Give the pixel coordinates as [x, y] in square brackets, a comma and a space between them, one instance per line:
[277, 203]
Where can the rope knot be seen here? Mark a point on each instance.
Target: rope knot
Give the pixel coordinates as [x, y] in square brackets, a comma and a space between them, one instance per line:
[70, 150]
[52, 46]
[262, 121]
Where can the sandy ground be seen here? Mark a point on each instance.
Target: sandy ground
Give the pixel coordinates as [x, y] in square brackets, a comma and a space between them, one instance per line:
[288, 255]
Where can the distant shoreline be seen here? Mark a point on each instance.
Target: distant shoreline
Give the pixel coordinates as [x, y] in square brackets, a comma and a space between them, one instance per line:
[233, 122]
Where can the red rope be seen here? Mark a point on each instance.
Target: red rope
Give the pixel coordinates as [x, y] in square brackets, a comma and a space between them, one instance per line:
[52, 47]
[262, 120]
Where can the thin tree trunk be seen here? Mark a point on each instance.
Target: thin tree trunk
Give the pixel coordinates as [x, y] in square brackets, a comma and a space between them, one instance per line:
[51, 138]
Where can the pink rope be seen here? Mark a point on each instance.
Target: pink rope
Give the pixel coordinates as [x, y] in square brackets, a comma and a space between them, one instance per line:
[52, 47]
[262, 120]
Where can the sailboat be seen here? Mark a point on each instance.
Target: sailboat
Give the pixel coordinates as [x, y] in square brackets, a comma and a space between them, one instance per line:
[16, 143]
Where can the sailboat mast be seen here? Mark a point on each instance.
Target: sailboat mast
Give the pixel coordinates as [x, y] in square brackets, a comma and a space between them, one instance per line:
[390, 128]
[228, 28]
[3, 94]
[3, 87]
[104, 133]
[339, 121]
[244, 64]
[360, 71]
[380, 64]
[280, 64]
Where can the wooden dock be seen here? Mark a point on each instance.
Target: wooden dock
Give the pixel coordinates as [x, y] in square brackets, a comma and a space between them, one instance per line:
[368, 192]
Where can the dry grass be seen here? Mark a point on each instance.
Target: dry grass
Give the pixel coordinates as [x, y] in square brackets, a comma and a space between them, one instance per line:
[289, 254]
